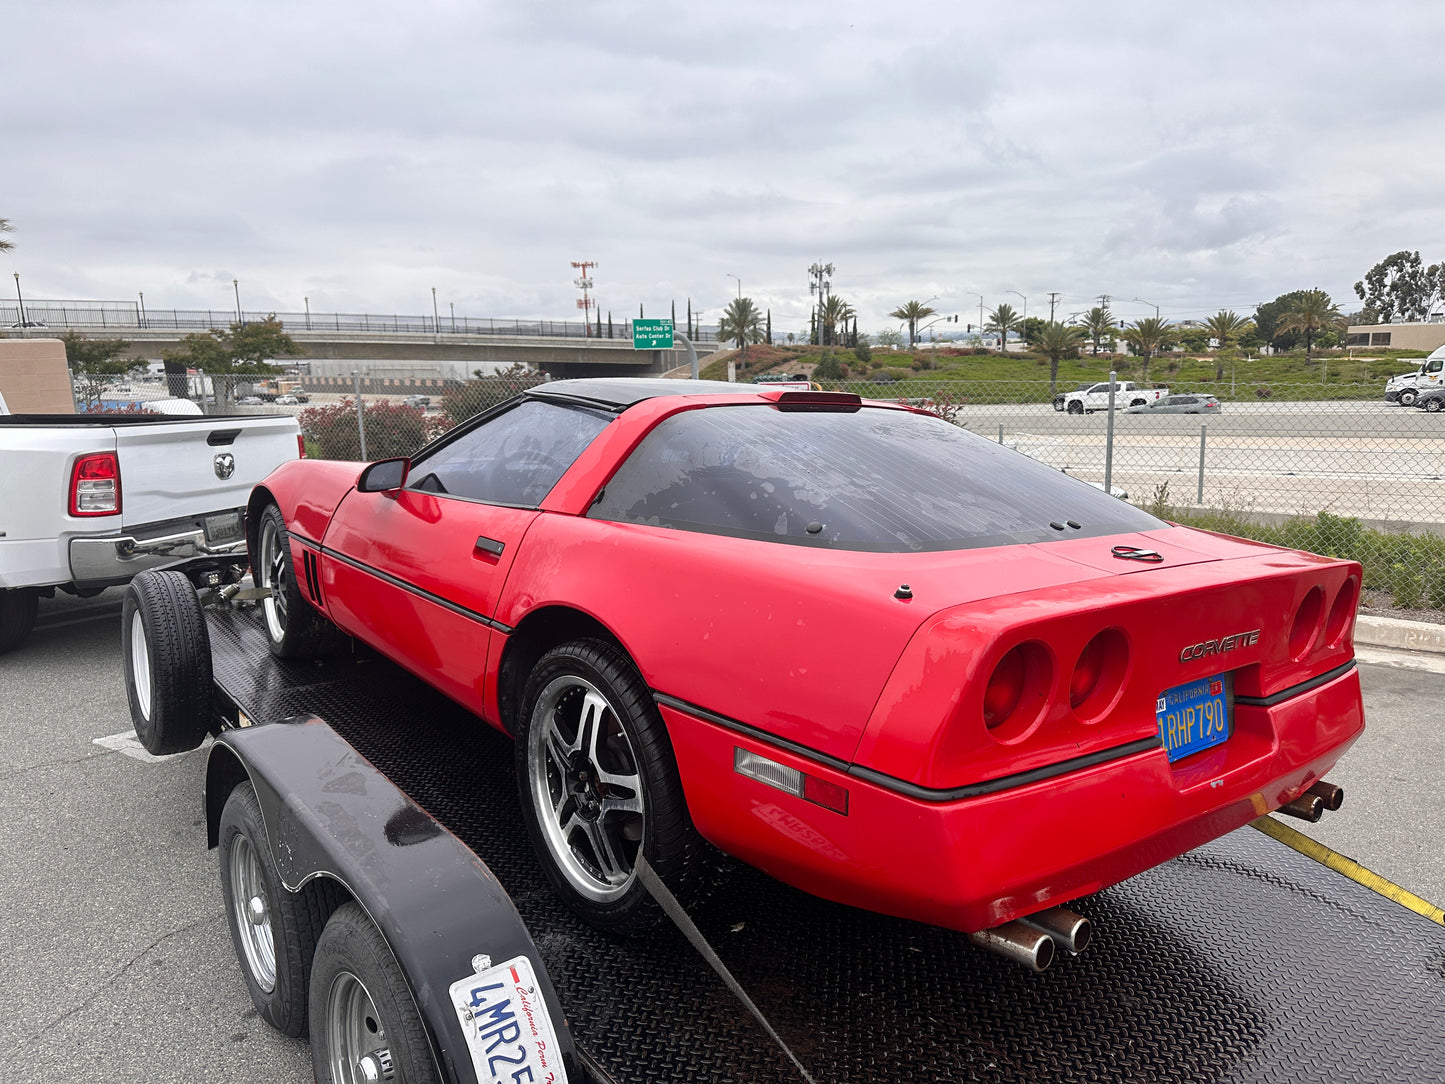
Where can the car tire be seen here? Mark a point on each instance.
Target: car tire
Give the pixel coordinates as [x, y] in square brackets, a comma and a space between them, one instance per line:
[1434, 403]
[361, 1007]
[1407, 398]
[18, 607]
[166, 650]
[295, 629]
[1137, 402]
[1076, 407]
[592, 807]
[274, 931]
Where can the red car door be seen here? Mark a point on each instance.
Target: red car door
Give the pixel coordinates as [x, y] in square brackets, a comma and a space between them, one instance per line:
[417, 575]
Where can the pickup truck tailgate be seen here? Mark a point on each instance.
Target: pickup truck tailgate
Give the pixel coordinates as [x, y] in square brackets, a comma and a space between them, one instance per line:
[197, 466]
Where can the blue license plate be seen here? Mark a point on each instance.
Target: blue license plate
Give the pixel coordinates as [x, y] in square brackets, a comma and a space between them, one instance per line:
[1194, 716]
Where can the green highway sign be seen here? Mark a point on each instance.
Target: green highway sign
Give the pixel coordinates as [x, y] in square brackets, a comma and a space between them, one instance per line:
[652, 334]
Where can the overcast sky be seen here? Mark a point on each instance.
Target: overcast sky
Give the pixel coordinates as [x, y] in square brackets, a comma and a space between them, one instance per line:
[1198, 156]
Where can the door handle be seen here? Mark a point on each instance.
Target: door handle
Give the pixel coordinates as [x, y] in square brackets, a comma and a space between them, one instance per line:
[490, 545]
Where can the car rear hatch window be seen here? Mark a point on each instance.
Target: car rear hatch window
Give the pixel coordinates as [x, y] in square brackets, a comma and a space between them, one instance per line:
[874, 479]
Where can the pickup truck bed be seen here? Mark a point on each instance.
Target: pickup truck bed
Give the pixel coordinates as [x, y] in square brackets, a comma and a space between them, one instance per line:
[86, 502]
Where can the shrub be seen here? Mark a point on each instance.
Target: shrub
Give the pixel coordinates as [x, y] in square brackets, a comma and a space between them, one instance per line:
[391, 430]
[829, 367]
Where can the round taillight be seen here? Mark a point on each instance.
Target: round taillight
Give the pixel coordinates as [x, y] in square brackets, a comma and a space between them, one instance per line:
[1005, 689]
[1099, 675]
[1017, 691]
[1341, 612]
[1306, 623]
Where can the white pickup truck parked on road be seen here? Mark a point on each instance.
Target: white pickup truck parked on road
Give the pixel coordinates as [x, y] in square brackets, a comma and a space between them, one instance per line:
[1096, 397]
[1405, 389]
[88, 501]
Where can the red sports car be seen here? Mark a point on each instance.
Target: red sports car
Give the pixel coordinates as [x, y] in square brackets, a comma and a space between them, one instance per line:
[880, 658]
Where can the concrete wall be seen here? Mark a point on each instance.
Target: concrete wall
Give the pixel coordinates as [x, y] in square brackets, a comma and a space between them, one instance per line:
[34, 377]
[1401, 336]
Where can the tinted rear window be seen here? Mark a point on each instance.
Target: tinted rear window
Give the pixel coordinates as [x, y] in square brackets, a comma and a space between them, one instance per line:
[872, 480]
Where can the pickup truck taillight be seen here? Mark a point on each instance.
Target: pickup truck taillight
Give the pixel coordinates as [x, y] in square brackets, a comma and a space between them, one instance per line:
[300, 446]
[95, 485]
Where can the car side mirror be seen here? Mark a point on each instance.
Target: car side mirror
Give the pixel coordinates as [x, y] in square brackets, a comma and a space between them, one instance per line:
[384, 476]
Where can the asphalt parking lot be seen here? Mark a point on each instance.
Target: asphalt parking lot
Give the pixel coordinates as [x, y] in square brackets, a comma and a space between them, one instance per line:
[115, 960]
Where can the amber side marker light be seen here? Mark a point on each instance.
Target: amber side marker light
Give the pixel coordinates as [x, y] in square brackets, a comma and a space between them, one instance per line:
[810, 788]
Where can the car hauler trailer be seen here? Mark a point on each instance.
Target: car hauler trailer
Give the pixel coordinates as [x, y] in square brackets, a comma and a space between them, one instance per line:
[1239, 961]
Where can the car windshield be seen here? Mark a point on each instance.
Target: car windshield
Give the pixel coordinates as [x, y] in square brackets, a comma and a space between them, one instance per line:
[875, 479]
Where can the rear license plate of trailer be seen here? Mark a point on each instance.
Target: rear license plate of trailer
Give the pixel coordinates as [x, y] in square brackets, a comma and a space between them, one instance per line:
[1194, 716]
[509, 1034]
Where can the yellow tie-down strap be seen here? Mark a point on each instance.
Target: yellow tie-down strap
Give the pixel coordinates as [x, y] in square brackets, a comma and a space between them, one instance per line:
[1348, 867]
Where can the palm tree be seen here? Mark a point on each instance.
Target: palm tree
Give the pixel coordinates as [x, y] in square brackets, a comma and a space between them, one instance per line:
[1099, 323]
[1225, 326]
[1055, 341]
[5, 227]
[1314, 312]
[741, 323]
[1148, 337]
[913, 312]
[832, 312]
[1003, 320]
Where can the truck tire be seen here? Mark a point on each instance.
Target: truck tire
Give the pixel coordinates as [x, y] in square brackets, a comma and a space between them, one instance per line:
[295, 629]
[1076, 407]
[1408, 397]
[273, 930]
[599, 786]
[167, 653]
[18, 606]
[362, 1010]
[1433, 404]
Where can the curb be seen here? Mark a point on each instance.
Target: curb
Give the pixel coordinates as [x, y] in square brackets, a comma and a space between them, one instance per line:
[1392, 632]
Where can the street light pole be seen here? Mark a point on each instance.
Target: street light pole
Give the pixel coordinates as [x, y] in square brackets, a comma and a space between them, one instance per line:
[142, 308]
[980, 316]
[1026, 302]
[436, 323]
[453, 306]
[307, 300]
[1150, 303]
[24, 331]
[236, 285]
[740, 284]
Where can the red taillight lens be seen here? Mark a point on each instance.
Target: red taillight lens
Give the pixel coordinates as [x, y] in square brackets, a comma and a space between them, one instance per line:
[1099, 675]
[1342, 612]
[1004, 690]
[95, 485]
[1306, 624]
[300, 446]
[1085, 678]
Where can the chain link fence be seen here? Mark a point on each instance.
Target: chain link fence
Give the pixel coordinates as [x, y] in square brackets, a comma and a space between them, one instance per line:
[1349, 475]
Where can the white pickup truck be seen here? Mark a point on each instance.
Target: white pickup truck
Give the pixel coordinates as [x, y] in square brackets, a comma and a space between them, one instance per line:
[88, 501]
[1096, 397]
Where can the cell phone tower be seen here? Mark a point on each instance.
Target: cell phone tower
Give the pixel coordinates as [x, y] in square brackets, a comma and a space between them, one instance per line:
[583, 282]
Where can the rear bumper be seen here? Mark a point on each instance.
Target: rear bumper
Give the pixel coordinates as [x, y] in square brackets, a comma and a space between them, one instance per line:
[117, 559]
[977, 862]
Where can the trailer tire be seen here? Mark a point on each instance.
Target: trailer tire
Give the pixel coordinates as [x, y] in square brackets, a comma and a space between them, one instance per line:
[275, 942]
[167, 653]
[18, 606]
[1408, 397]
[587, 848]
[360, 1004]
[295, 629]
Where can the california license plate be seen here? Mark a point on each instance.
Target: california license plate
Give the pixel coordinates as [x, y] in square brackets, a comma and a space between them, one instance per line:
[504, 1018]
[225, 527]
[1194, 716]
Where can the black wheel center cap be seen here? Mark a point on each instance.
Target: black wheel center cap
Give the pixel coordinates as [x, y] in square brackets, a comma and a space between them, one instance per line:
[585, 786]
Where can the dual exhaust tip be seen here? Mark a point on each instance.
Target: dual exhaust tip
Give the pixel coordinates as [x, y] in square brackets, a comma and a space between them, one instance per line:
[1035, 940]
[1313, 803]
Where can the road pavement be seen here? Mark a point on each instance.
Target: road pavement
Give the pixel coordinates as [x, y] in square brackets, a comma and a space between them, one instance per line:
[115, 959]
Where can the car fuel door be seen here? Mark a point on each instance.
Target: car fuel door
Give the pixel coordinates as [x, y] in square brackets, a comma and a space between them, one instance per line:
[417, 575]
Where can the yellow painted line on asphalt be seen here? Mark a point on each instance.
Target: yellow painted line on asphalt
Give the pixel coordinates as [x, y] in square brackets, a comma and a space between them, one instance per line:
[1348, 867]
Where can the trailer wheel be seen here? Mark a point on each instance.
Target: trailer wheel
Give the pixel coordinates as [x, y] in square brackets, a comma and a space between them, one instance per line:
[599, 786]
[18, 606]
[167, 653]
[294, 628]
[1408, 397]
[365, 1025]
[274, 931]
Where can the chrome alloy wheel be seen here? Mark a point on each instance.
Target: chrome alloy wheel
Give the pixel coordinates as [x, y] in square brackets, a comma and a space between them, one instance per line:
[355, 1038]
[140, 664]
[274, 567]
[252, 912]
[586, 787]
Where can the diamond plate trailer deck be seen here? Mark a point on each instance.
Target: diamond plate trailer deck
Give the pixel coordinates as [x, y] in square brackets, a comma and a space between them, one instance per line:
[1241, 961]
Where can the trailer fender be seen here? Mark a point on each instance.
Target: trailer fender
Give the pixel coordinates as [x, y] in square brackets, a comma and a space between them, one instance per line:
[328, 812]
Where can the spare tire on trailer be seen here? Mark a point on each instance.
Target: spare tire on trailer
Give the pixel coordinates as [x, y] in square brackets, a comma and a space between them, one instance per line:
[167, 653]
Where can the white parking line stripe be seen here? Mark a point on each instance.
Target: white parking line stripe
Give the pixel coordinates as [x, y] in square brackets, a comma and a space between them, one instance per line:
[127, 743]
